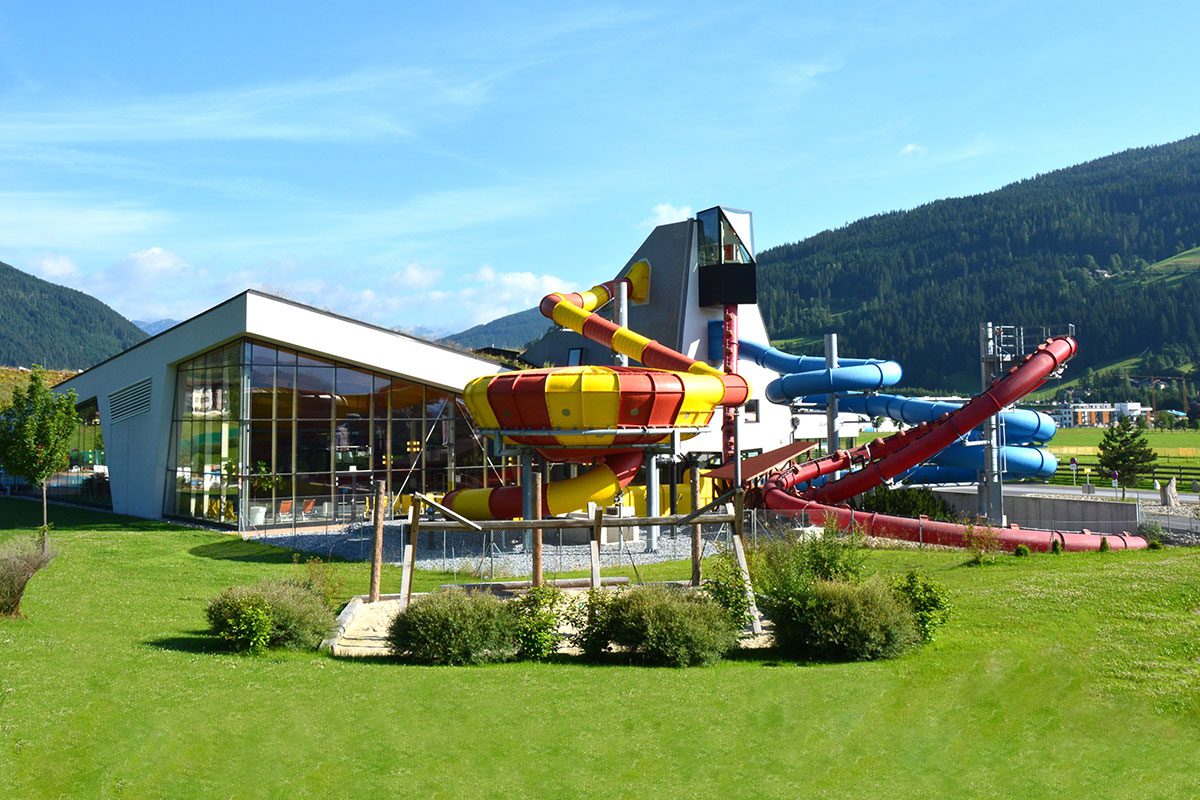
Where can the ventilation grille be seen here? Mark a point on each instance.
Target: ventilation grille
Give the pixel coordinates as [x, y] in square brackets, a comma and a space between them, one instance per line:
[130, 401]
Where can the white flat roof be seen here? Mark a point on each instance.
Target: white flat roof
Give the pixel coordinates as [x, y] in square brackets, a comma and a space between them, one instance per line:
[284, 322]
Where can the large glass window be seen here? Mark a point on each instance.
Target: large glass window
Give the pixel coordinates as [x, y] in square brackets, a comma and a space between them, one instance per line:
[309, 442]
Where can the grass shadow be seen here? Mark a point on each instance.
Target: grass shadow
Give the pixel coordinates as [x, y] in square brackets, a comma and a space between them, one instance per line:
[240, 550]
[192, 642]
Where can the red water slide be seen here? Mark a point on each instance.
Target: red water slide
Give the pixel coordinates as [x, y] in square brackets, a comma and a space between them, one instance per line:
[890, 457]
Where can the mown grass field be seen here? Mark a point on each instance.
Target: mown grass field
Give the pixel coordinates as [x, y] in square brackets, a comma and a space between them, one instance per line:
[1068, 676]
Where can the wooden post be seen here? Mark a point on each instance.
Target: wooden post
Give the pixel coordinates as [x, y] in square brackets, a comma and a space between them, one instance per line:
[739, 551]
[377, 544]
[410, 555]
[536, 579]
[597, 528]
[697, 542]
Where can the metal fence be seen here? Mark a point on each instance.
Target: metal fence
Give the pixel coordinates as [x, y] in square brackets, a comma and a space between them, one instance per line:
[466, 556]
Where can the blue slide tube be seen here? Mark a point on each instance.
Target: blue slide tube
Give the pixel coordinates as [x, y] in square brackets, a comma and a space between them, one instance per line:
[1020, 425]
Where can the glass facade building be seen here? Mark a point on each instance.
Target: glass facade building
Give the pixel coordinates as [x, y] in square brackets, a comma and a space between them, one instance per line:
[265, 435]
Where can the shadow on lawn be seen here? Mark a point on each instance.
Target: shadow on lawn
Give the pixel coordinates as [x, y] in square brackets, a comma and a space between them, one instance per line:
[239, 550]
[193, 642]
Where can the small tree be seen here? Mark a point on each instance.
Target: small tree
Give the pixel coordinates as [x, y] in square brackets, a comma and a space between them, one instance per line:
[35, 435]
[1125, 451]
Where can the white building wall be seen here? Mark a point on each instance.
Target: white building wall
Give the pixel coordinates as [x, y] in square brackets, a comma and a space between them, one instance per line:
[137, 448]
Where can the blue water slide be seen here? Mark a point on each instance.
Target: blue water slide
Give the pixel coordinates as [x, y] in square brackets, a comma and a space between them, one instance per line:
[1020, 425]
[1019, 461]
[935, 474]
[805, 375]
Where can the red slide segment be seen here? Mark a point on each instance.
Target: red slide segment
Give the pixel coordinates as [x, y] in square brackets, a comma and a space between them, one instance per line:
[930, 531]
[902, 451]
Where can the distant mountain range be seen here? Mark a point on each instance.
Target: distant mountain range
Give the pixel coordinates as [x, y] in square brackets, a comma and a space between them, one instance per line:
[59, 328]
[158, 326]
[1106, 245]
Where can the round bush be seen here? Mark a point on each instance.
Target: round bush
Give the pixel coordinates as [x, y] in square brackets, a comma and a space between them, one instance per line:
[1021, 551]
[839, 621]
[300, 617]
[671, 627]
[455, 627]
[241, 617]
[272, 613]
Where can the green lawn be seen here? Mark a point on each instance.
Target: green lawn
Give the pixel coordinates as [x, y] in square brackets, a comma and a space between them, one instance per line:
[1070, 676]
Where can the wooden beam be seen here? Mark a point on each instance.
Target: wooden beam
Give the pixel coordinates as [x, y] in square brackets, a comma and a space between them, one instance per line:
[536, 578]
[597, 529]
[410, 555]
[739, 552]
[697, 541]
[377, 542]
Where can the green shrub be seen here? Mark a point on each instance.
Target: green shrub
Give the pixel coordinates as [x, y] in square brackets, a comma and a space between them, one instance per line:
[1104, 545]
[1153, 533]
[726, 586]
[321, 578]
[784, 566]
[537, 621]
[455, 627]
[906, 503]
[1056, 546]
[300, 617]
[668, 627]
[241, 617]
[928, 601]
[272, 613]
[590, 617]
[842, 621]
[1021, 551]
[982, 542]
[20, 560]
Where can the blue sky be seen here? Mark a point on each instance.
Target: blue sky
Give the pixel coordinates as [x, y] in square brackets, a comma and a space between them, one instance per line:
[438, 165]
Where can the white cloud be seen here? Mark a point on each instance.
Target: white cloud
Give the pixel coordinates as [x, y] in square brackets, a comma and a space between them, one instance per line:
[366, 103]
[155, 262]
[40, 220]
[665, 214]
[799, 77]
[56, 268]
[913, 149]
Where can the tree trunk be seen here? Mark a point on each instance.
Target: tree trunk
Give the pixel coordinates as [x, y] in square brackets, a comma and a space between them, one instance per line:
[45, 522]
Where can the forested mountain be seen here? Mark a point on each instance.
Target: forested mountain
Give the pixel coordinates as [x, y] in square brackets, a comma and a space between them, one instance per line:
[59, 328]
[512, 331]
[1077, 245]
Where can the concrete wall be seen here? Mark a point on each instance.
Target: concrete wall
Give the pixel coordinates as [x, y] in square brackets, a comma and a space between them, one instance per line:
[1066, 513]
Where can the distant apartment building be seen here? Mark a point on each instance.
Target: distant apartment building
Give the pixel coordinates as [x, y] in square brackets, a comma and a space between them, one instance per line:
[1091, 415]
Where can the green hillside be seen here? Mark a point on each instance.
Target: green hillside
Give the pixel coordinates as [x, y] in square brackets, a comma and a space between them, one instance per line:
[59, 328]
[1109, 245]
[511, 331]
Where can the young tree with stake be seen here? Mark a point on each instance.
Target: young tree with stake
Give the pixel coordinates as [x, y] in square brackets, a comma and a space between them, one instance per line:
[35, 435]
